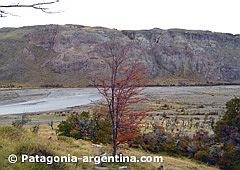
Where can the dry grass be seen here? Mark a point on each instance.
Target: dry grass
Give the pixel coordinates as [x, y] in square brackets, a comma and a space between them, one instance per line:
[12, 140]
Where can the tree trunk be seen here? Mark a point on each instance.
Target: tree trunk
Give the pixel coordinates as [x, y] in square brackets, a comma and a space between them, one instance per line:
[114, 140]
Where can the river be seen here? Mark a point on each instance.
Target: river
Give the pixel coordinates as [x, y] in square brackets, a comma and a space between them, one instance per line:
[43, 100]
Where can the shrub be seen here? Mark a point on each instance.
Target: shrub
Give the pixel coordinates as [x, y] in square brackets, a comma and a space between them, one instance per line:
[183, 145]
[230, 158]
[151, 143]
[32, 149]
[86, 126]
[228, 129]
[21, 122]
[227, 132]
[35, 129]
[103, 132]
[201, 155]
[170, 148]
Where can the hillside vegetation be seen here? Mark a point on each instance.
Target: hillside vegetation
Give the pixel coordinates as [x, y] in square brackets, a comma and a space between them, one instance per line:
[17, 141]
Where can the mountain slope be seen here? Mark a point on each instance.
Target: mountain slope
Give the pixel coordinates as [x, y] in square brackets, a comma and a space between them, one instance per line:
[54, 54]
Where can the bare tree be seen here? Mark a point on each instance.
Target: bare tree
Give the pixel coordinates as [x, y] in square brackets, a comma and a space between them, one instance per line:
[41, 5]
[120, 85]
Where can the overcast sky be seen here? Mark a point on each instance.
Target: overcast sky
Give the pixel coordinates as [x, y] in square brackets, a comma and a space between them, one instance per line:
[213, 15]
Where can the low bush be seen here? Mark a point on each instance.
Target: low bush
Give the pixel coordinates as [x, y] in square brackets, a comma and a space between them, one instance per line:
[35, 129]
[201, 156]
[32, 149]
[21, 122]
[85, 126]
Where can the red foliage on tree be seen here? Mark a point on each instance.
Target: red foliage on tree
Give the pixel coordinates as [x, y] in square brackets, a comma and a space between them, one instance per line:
[120, 84]
[130, 126]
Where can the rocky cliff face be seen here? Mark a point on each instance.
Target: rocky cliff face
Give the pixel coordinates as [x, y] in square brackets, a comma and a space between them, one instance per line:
[55, 54]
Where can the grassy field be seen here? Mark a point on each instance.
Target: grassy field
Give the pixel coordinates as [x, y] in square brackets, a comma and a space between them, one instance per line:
[17, 141]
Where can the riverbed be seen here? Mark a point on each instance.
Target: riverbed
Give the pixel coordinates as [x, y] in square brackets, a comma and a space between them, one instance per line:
[44, 100]
[191, 99]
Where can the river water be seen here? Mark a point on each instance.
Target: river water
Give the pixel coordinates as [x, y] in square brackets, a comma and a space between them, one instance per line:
[41, 100]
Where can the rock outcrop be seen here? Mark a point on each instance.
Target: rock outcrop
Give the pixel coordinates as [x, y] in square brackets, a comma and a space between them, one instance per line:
[54, 54]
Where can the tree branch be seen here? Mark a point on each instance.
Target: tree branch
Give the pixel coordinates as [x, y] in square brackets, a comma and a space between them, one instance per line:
[38, 6]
